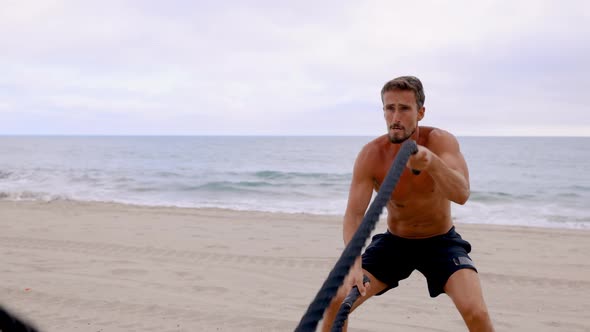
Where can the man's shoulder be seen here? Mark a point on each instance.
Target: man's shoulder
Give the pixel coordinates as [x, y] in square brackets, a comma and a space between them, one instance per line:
[434, 135]
[376, 145]
[437, 139]
[373, 150]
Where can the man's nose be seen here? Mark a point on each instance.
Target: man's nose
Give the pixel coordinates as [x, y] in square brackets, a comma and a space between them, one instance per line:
[395, 123]
[396, 117]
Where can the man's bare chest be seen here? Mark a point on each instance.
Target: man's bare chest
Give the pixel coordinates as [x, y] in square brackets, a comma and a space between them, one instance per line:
[409, 187]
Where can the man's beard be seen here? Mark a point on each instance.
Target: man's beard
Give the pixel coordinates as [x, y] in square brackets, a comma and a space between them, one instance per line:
[396, 139]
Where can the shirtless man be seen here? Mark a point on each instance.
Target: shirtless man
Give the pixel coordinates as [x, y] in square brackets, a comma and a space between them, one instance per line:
[420, 234]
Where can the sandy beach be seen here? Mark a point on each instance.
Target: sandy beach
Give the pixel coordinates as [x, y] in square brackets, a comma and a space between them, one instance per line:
[72, 266]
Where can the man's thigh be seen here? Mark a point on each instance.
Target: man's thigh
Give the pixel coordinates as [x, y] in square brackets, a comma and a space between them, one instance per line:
[375, 287]
[464, 288]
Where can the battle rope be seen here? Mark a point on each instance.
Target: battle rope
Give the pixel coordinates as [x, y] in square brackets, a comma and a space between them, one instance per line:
[346, 306]
[9, 323]
[316, 309]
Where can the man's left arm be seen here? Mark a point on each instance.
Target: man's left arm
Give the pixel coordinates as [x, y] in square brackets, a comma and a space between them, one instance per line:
[442, 159]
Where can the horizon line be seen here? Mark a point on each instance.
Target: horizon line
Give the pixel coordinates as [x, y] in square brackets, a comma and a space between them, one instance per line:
[264, 135]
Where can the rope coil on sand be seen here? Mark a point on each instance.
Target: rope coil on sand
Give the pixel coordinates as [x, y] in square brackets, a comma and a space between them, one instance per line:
[316, 309]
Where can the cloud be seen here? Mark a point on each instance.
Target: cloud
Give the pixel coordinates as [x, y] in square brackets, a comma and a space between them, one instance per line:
[263, 68]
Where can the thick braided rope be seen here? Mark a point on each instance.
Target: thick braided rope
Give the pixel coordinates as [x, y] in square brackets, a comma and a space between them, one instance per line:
[346, 306]
[316, 309]
[9, 323]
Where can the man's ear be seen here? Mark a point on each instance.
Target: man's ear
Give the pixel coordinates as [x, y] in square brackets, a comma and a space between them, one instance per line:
[421, 112]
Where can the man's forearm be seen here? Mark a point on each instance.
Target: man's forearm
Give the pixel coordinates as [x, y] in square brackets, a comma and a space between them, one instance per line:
[450, 182]
[350, 225]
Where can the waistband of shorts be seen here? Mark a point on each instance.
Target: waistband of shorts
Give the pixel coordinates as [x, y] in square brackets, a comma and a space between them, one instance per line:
[451, 231]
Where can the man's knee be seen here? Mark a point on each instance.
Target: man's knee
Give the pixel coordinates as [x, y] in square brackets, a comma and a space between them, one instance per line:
[474, 313]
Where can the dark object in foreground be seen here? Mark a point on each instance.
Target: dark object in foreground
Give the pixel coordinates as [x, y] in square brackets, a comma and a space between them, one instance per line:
[10, 323]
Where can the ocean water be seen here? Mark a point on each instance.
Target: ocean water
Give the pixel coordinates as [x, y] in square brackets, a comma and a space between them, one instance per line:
[514, 180]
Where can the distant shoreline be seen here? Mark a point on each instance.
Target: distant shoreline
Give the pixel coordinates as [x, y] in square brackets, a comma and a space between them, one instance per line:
[261, 136]
[267, 213]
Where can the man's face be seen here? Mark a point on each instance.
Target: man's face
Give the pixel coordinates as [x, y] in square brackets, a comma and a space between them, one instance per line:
[401, 114]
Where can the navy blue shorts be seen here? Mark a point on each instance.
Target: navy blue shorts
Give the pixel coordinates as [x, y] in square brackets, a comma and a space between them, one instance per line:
[391, 258]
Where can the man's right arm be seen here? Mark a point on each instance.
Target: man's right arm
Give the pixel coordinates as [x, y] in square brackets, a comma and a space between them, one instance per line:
[361, 190]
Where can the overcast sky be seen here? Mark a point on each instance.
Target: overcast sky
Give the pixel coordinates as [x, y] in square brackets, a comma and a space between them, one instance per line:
[291, 67]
